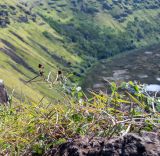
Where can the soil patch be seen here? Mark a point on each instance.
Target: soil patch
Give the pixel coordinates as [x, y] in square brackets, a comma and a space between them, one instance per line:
[144, 144]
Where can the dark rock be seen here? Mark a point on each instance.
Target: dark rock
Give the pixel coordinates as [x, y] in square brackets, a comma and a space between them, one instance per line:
[121, 19]
[4, 20]
[14, 12]
[3, 6]
[23, 19]
[129, 11]
[34, 17]
[77, 74]
[45, 9]
[58, 10]
[27, 12]
[50, 3]
[3, 23]
[62, 5]
[145, 144]
[3, 93]
[12, 7]
[3, 13]
[107, 6]
[19, 6]
[74, 3]
[115, 1]
[137, 1]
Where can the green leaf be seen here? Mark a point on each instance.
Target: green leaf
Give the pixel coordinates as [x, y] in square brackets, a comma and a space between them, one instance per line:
[136, 101]
[77, 117]
[136, 88]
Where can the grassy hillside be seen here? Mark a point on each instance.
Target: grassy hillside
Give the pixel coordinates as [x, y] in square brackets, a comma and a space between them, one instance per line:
[23, 46]
[68, 35]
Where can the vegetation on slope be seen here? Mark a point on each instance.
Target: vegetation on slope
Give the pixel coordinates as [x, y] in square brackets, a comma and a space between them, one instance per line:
[23, 47]
[69, 35]
[33, 128]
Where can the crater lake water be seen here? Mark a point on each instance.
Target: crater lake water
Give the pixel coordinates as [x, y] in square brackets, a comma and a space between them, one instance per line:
[140, 65]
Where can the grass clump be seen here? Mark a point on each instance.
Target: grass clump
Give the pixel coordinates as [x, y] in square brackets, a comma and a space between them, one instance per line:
[33, 128]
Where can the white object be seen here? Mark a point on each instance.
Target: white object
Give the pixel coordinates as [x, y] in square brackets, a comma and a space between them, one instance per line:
[78, 88]
[153, 88]
[1, 81]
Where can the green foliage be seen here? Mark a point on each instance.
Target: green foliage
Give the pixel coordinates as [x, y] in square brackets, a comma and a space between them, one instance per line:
[35, 127]
[79, 33]
[89, 39]
[79, 29]
[140, 29]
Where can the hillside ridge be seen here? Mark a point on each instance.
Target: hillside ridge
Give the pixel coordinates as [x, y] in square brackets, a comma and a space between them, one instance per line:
[69, 35]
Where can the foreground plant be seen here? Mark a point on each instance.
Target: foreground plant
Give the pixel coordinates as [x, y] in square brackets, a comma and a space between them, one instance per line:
[33, 128]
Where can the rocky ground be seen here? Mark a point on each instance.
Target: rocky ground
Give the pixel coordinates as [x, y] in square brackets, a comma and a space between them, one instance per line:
[144, 144]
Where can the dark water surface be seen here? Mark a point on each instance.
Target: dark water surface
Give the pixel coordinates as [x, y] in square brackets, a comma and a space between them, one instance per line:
[141, 65]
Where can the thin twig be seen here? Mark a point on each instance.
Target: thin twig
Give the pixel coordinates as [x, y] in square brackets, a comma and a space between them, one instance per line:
[32, 79]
